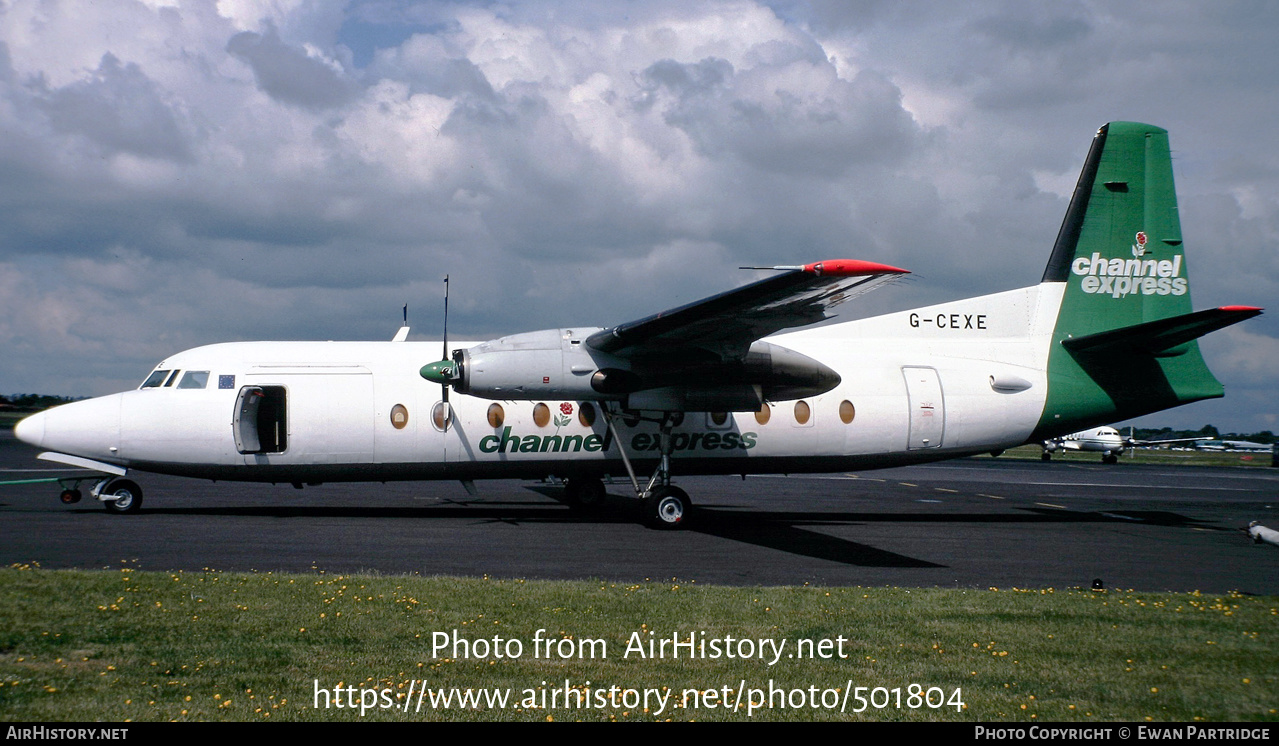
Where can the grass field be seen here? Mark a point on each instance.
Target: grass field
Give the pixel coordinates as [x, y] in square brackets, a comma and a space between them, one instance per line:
[80, 645]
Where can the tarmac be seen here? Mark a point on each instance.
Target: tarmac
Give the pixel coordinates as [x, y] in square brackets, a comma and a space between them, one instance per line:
[969, 523]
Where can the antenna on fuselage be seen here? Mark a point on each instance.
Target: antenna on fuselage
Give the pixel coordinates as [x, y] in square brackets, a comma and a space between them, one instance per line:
[403, 333]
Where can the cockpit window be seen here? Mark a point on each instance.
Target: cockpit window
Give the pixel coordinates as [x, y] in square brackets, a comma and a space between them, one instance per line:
[194, 379]
[155, 380]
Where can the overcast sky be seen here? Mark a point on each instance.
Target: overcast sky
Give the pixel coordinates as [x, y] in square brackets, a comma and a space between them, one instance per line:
[179, 173]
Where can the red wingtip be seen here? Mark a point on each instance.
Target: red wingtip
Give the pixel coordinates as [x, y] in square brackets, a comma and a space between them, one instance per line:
[1240, 309]
[852, 267]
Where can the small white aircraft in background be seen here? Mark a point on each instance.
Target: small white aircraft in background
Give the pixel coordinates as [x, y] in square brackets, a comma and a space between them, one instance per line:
[1111, 444]
[1105, 440]
[713, 387]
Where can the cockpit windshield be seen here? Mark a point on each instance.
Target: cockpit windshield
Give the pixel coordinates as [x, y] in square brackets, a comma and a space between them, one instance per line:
[194, 379]
[155, 380]
[166, 378]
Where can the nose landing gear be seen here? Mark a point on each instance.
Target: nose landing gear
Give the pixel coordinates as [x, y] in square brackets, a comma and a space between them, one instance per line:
[119, 496]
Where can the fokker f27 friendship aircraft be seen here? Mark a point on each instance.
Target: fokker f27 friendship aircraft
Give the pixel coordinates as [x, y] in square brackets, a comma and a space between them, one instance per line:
[712, 387]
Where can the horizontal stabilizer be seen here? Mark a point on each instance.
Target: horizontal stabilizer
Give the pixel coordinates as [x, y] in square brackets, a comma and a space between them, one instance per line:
[1162, 335]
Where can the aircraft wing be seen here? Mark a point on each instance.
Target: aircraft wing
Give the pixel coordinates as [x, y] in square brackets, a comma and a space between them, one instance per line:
[722, 327]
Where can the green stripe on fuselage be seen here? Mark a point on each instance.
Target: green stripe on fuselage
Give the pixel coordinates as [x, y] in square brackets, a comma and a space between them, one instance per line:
[1126, 267]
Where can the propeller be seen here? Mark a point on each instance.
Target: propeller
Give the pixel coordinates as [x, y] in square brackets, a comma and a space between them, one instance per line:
[443, 372]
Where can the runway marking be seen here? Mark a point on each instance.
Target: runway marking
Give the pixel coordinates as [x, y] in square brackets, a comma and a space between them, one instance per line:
[943, 489]
[992, 497]
[1137, 486]
[907, 484]
[1050, 505]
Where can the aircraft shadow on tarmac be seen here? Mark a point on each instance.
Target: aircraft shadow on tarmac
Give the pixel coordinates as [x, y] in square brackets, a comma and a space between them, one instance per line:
[783, 531]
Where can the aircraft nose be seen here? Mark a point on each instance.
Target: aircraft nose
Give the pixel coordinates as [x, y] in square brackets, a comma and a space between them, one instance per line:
[88, 428]
[30, 430]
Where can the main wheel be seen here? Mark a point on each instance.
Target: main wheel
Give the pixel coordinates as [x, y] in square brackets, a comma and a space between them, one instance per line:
[667, 508]
[585, 494]
[70, 496]
[1110, 458]
[1046, 456]
[123, 496]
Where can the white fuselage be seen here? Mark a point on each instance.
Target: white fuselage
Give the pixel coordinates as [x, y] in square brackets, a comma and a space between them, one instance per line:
[954, 379]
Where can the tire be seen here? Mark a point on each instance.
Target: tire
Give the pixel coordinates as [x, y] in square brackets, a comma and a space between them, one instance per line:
[585, 494]
[126, 497]
[70, 496]
[667, 509]
[1046, 457]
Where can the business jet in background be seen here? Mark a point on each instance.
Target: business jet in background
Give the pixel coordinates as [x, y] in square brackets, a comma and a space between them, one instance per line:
[732, 384]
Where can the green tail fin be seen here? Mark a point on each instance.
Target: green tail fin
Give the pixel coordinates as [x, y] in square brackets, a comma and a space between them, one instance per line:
[1124, 342]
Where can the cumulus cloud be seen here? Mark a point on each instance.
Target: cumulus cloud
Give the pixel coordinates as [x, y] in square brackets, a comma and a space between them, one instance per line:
[120, 109]
[289, 74]
[174, 173]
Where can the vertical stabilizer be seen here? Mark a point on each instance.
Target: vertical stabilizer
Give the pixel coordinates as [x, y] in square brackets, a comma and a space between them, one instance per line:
[1120, 254]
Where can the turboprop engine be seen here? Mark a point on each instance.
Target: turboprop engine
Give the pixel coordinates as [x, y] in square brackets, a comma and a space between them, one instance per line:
[559, 364]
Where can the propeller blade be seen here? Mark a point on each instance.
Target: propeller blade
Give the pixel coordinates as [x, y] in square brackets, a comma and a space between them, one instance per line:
[444, 387]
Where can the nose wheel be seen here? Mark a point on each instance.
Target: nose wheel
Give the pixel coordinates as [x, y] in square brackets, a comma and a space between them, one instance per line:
[121, 496]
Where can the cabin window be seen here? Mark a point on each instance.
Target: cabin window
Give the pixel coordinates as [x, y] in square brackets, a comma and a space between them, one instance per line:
[586, 414]
[155, 380]
[194, 379]
[260, 423]
[764, 414]
[541, 415]
[803, 412]
[847, 412]
[441, 416]
[399, 416]
[717, 420]
[497, 416]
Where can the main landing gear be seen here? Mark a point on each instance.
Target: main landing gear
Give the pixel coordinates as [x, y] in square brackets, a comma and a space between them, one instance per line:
[664, 505]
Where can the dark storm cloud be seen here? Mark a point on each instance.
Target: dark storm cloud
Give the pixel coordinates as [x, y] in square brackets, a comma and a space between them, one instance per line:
[119, 108]
[288, 74]
[790, 116]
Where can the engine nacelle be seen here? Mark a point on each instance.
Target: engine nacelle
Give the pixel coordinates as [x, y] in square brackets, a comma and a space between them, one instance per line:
[548, 364]
[558, 364]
